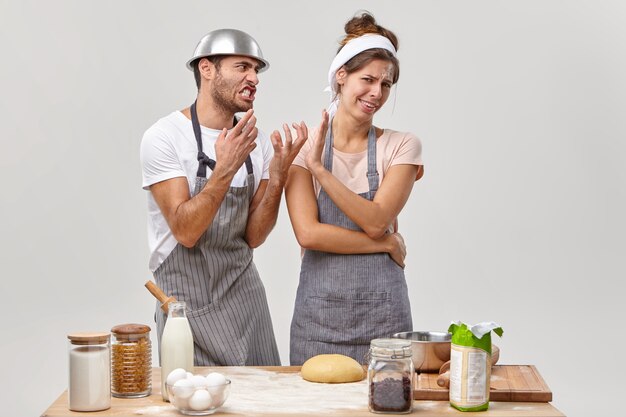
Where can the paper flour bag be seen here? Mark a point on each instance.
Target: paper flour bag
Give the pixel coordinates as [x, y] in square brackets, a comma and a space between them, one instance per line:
[470, 365]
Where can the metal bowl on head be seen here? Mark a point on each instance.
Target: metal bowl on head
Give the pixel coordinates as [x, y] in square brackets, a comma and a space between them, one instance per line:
[228, 42]
[429, 349]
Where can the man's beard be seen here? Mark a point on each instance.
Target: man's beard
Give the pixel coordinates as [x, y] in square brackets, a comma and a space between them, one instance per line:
[221, 95]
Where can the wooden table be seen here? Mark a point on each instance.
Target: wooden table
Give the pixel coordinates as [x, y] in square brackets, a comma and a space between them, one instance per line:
[280, 391]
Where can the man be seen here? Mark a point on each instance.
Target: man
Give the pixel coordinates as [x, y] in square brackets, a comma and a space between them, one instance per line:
[214, 191]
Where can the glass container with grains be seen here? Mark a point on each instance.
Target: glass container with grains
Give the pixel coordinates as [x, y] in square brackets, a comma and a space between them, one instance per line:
[131, 361]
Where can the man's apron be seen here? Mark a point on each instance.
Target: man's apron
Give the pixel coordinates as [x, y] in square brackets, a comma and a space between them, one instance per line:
[345, 301]
[226, 303]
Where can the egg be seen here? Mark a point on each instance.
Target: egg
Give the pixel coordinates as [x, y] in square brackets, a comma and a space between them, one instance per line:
[215, 378]
[217, 399]
[183, 389]
[200, 400]
[215, 382]
[198, 381]
[180, 403]
[189, 374]
[175, 375]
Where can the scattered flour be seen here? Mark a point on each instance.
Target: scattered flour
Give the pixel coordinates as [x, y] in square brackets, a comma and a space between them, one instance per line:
[256, 391]
[154, 410]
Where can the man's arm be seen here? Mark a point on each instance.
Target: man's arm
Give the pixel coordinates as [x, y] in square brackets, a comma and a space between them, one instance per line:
[189, 217]
[266, 200]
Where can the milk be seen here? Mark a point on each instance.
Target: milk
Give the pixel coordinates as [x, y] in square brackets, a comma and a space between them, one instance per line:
[90, 378]
[176, 347]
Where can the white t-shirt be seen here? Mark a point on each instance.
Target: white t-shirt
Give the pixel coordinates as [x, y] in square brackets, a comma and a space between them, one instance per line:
[169, 150]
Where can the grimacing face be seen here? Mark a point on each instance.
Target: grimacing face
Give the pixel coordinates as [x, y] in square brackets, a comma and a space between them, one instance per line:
[365, 91]
[234, 85]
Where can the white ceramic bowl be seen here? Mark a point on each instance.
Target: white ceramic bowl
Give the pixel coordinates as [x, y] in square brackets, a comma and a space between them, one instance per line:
[198, 401]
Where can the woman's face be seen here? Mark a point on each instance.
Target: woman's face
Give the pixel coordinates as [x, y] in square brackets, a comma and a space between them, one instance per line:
[365, 91]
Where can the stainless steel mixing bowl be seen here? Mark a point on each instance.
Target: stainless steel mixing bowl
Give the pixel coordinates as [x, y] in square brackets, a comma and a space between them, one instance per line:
[429, 349]
[228, 42]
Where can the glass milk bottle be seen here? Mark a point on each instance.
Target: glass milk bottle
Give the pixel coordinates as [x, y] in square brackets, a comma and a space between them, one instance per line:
[89, 386]
[176, 343]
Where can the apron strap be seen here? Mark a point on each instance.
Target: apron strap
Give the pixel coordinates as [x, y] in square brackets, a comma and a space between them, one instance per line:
[249, 165]
[372, 171]
[203, 159]
[328, 144]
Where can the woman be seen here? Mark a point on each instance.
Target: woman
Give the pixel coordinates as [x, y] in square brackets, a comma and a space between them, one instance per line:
[344, 193]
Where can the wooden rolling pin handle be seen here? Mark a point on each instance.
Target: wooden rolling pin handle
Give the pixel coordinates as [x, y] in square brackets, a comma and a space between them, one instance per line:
[159, 295]
[495, 354]
[443, 380]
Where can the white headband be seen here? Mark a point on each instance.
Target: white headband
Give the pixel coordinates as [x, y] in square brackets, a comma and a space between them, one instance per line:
[355, 47]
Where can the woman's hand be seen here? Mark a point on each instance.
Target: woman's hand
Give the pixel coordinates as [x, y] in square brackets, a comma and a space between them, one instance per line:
[285, 153]
[397, 249]
[313, 159]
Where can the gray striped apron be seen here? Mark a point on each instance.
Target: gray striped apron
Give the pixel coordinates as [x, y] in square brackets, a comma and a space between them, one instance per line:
[226, 303]
[345, 301]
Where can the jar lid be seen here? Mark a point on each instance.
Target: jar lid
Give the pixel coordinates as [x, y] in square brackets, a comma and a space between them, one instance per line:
[85, 338]
[130, 328]
[131, 332]
[392, 348]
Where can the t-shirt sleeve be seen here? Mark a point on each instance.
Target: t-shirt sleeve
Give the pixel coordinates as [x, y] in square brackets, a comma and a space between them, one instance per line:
[409, 151]
[159, 159]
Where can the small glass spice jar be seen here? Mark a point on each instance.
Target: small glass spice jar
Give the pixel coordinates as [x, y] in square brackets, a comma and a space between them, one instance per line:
[390, 376]
[131, 361]
[89, 387]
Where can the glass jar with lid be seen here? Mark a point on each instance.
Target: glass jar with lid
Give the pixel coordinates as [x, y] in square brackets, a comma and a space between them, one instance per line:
[89, 387]
[390, 376]
[131, 361]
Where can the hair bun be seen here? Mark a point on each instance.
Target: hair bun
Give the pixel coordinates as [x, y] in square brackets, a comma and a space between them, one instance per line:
[363, 24]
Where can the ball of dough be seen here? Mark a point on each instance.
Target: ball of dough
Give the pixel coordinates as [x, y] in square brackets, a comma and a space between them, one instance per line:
[332, 368]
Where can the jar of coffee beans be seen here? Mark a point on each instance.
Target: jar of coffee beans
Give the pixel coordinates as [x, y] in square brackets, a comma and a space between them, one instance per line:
[390, 376]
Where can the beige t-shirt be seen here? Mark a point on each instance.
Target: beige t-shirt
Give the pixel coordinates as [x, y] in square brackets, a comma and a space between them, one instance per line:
[392, 148]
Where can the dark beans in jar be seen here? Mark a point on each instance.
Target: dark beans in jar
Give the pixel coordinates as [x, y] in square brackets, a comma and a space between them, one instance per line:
[391, 394]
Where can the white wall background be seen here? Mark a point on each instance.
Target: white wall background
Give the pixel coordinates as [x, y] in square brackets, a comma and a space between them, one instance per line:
[519, 218]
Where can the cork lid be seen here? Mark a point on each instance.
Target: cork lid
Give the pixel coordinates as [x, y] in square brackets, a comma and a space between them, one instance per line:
[130, 331]
[85, 338]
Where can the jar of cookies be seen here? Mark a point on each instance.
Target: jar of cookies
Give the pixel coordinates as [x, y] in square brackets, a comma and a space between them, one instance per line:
[131, 361]
[390, 376]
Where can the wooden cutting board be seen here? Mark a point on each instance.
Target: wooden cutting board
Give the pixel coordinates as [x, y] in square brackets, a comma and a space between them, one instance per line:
[513, 383]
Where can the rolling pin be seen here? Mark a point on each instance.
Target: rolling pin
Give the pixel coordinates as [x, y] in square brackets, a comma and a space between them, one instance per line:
[159, 295]
[443, 380]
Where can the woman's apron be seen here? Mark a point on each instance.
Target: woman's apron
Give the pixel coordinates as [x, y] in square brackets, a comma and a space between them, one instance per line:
[345, 301]
[226, 303]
